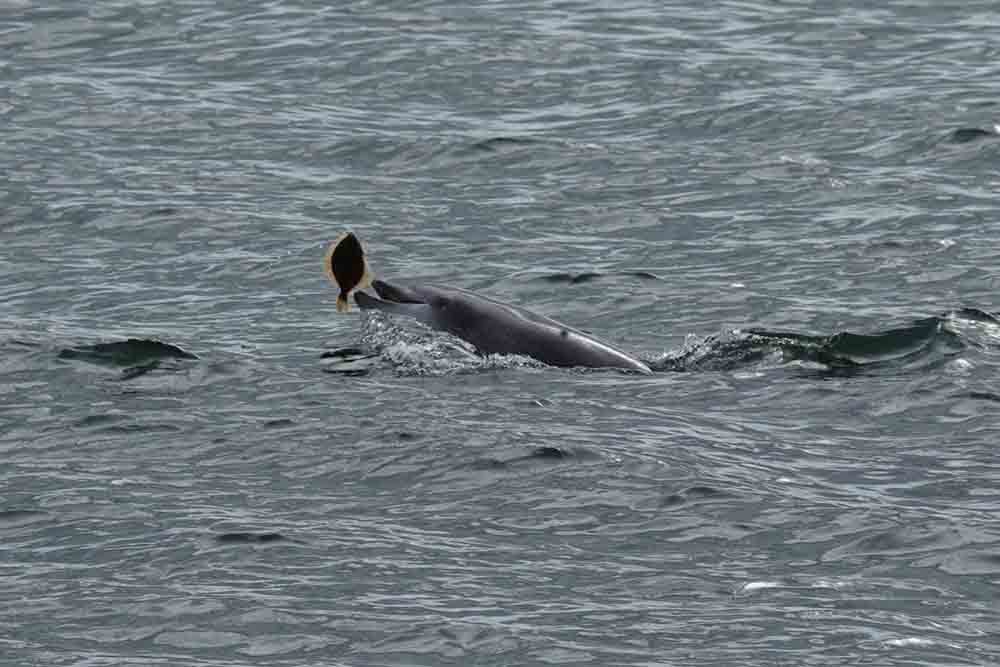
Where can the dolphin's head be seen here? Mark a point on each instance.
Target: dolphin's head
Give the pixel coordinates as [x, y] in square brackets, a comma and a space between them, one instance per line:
[436, 307]
[397, 293]
[421, 303]
[436, 298]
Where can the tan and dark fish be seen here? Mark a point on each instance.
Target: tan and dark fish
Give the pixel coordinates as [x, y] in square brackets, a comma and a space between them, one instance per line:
[346, 266]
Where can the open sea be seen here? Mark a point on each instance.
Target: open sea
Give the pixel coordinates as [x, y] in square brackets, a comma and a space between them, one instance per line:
[789, 209]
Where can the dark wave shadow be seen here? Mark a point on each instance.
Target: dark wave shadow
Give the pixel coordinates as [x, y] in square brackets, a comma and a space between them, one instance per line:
[980, 396]
[965, 135]
[496, 144]
[251, 538]
[135, 356]
[125, 352]
[349, 361]
[696, 495]
[540, 455]
[589, 276]
[425, 155]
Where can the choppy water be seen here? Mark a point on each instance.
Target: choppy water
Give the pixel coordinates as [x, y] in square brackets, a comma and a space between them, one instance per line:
[789, 209]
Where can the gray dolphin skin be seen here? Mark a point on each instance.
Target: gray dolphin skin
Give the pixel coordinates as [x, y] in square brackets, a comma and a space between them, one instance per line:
[493, 327]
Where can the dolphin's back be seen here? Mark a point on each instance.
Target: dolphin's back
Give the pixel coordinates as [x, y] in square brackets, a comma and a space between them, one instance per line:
[494, 327]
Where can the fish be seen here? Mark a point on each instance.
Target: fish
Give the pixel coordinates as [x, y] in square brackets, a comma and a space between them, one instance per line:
[346, 266]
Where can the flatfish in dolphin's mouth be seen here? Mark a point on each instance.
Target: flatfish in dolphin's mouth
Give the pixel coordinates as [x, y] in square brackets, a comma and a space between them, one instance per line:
[346, 266]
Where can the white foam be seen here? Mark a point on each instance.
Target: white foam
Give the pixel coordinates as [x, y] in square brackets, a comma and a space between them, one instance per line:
[910, 641]
[759, 586]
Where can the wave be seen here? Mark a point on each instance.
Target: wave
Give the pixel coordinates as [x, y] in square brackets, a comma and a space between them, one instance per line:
[924, 342]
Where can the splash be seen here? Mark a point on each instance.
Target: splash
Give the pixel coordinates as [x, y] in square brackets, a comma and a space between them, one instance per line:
[411, 348]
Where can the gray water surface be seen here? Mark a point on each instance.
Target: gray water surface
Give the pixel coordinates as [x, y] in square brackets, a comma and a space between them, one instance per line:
[788, 209]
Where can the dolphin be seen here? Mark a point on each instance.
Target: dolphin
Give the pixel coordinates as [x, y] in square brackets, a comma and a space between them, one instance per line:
[493, 327]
